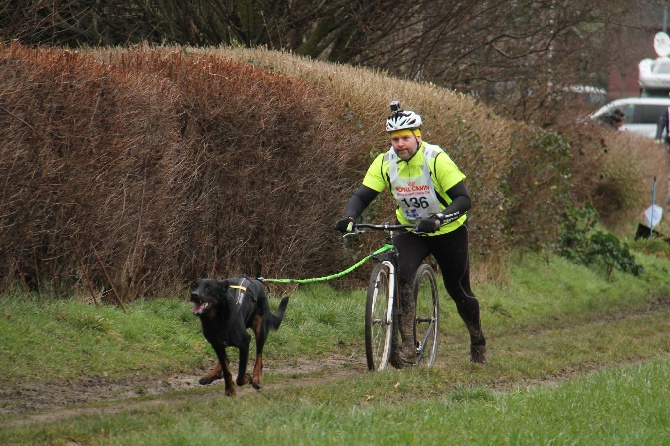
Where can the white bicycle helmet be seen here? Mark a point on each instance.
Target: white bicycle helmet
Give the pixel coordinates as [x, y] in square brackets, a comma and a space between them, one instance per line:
[402, 119]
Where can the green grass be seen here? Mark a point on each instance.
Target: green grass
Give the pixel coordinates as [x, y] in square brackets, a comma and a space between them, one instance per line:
[70, 338]
[628, 405]
[575, 358]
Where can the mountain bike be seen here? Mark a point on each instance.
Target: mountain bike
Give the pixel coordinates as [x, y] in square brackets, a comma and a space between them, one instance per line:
[383, 303]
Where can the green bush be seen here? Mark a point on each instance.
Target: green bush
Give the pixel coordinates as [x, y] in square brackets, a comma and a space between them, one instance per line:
[581, 243]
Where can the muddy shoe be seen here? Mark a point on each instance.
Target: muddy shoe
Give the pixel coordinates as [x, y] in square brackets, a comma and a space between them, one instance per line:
[407, 355]
[395, 360]
[478, 354]
[406, 360]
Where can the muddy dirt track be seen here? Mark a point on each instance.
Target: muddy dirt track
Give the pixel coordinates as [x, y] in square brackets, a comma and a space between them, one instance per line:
[56, 400]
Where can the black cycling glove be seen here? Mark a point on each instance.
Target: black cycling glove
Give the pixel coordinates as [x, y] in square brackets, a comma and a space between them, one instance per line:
[428, 225]
[345, 224]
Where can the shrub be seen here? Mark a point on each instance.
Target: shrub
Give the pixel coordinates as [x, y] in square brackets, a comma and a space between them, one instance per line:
[133, 171]
[581, 243]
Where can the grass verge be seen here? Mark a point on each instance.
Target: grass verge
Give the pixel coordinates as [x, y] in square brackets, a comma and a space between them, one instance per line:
[575, 358]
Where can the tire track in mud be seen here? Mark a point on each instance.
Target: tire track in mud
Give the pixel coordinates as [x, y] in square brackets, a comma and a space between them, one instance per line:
[43, 402]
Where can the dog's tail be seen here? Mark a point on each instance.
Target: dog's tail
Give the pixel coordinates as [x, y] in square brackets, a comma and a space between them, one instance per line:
[274, 319]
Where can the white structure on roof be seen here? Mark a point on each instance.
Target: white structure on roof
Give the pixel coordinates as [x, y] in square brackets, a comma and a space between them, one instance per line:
[654, 74]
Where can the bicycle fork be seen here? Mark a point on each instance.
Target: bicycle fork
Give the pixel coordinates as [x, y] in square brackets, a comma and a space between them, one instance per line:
[391, 293]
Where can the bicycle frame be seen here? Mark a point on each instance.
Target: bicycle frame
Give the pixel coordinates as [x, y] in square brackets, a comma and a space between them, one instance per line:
[389, 259]
[382, 295]
[385, 276]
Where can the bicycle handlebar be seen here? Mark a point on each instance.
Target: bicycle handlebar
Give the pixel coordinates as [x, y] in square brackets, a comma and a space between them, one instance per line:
[381, 227]
[354, 227]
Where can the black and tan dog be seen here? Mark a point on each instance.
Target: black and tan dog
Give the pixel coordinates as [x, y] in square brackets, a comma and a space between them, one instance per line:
[227, 308]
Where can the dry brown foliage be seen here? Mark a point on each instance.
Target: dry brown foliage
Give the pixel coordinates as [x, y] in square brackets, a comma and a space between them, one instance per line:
[615, 171]
[512, 173]
[139, 170]
[160, 168]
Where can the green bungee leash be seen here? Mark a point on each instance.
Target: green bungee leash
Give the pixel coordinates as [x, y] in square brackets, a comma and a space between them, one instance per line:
[332, 276]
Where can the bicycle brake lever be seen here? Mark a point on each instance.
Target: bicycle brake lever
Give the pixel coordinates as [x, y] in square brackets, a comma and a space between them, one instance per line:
[416, 231]
[351, 234]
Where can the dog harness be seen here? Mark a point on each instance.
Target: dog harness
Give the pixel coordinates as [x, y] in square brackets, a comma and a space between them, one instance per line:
[241, 290]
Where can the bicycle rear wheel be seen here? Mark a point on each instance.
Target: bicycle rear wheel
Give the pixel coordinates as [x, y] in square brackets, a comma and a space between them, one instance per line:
[377, 327]
[427, 314]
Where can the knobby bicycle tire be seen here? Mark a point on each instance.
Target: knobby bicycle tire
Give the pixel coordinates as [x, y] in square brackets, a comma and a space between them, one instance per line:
[378, 330]
[426, 320]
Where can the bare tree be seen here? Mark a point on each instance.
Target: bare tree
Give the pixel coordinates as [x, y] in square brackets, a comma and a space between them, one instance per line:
[515, 54]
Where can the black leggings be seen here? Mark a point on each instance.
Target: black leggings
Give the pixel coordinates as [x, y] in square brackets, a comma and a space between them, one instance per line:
[451, 253]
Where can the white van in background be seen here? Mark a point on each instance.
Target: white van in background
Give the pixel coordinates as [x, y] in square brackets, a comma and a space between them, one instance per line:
[640, 113]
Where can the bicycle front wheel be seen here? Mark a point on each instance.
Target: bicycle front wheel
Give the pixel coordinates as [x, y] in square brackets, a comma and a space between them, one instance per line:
[377, 325]
[427, 314]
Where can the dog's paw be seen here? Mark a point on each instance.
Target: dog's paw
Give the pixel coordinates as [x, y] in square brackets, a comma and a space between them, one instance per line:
[230, 391]
[206, 380]
[242, 380]
[256, 385]
[213, 376]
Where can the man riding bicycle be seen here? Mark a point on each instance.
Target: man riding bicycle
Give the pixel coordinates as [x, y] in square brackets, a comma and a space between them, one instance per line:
[427, 186]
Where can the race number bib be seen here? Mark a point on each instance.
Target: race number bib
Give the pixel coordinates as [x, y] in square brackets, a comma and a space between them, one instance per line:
[416, 197]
